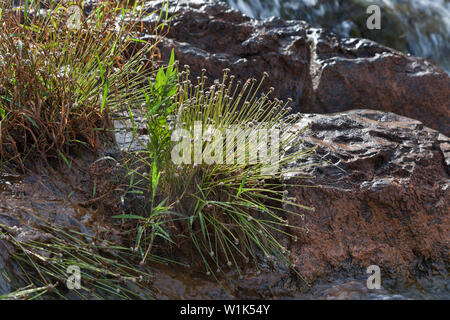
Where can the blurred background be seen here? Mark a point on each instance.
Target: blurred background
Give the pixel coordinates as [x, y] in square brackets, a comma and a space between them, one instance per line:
[419, 27]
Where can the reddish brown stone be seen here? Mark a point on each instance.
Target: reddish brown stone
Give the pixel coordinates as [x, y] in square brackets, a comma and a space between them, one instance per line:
[319, 71]
[383, 198]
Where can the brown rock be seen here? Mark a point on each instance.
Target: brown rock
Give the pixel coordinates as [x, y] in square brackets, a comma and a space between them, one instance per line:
[383, 198]
[319, 71]
[357, 73]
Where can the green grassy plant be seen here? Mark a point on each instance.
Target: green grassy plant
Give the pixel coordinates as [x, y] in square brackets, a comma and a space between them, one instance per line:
[108, 270]
[228, 212]
[59, 86]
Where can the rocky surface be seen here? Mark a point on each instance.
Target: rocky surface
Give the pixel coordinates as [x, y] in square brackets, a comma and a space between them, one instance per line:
[401, 29]
[320, 71]
[381, 196]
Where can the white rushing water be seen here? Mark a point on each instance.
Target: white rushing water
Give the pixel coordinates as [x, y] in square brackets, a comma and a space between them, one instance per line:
[419, 27]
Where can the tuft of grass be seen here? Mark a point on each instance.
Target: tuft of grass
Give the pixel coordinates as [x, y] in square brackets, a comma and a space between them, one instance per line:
[59, 84]
[58, 87]
[228, 213]
[107, 270]
[62, 74]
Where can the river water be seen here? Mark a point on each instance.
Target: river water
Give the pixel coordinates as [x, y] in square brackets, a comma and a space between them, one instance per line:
[419, 27]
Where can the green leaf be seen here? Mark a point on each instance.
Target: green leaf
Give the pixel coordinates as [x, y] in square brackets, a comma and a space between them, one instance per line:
[138, 40]
[202, 223]
[147, 97]
[155, 177]
[242, 184]
[129, 216]
[25, 13]
[69, 164]
[155, 107]
[132, 120]
[170, 70]
[160, 80]
[164, 236]
[105, 94]
[191, 221]
[32, 121]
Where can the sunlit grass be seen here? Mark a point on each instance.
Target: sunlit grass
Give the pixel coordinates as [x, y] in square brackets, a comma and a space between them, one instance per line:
[229, 213]
[59, 81]
[107, 269]
[58, 89]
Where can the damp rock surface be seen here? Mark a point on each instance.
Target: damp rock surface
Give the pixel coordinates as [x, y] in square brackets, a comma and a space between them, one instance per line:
[321, 72]
[381, 197]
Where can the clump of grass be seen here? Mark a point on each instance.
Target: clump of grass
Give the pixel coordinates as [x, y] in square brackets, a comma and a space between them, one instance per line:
[228, 212]
[60, 79]
[107, 270]
[58, 87]
[28, 292]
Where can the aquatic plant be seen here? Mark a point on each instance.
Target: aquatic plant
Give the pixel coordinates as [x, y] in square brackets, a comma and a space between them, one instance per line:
[59, 85]
[44, 266]
[227, 211]
[60, 81]
[61, 74]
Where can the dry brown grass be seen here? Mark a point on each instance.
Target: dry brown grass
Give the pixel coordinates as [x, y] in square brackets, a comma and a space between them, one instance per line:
[59, 84]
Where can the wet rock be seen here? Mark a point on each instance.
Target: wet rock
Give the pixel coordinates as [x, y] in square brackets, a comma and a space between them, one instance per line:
[320, 71]
[29, 203]
[356, 73]
[266, 283]
[381, 197]
[401, 27]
